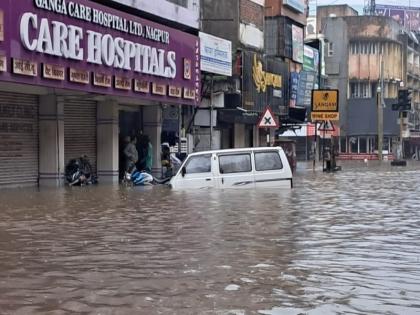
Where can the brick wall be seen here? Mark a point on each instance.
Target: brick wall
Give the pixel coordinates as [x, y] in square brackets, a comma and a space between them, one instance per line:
[252, 13]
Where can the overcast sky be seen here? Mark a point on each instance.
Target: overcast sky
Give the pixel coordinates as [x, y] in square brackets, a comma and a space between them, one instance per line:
[359, 4]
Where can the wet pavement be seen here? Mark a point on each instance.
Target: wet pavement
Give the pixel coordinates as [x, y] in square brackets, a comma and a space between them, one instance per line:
[344, 243]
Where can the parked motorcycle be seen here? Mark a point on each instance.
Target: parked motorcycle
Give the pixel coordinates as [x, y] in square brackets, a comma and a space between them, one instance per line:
[137, 178]
[79, 172]
[142, 178]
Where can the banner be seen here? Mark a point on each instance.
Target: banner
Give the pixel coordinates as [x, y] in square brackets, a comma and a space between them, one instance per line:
[81, 45]
[405, 16]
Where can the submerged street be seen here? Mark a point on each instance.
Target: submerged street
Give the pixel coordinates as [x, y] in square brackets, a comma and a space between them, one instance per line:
[344, 243]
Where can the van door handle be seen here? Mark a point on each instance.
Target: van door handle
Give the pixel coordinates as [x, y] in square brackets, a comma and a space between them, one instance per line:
[208, 179]
[223, 181]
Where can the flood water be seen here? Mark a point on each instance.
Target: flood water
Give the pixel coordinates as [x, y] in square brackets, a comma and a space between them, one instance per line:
[344, 243]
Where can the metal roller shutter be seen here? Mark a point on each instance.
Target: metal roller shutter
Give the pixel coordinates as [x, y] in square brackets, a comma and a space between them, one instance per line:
[80, 129]
[19, 150]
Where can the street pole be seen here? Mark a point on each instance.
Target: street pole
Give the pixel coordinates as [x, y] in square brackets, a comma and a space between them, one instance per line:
[401, 154]
[380, 110]
[211, 113]
[315, 146]
[267, 131]
[380, 123]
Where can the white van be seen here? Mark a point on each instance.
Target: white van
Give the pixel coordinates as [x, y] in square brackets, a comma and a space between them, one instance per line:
[235, 168]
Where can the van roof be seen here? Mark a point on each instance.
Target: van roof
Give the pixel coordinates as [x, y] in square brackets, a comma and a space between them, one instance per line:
[236, 150]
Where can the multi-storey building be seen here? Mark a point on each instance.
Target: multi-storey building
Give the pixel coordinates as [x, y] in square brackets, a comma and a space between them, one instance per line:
[248, 92]
[78, 76]
[412, 135]
[366, 57]
[284, 39]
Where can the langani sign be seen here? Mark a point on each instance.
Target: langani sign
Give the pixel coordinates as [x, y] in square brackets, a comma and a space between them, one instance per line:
[325, 105]
[84, 46]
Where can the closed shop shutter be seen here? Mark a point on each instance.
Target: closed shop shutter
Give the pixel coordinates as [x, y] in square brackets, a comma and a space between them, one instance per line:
[79, 129]
[19, 150]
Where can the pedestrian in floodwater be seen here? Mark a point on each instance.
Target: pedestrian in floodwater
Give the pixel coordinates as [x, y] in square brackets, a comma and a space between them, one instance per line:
[146, 154]
[131, 155]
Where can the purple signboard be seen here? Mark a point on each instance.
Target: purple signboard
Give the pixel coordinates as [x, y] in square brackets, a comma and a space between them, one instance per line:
[81, 45]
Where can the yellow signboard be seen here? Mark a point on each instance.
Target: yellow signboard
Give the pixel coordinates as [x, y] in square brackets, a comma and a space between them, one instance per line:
[263, 79]
[324, 100]
[323, 116]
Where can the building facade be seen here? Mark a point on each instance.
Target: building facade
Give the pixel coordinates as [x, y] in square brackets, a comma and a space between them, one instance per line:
[247, 93]
[366, 58]
[285, 23]
[78, 77]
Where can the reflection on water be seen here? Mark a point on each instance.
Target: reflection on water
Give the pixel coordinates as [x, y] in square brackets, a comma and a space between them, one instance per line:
[344, 243]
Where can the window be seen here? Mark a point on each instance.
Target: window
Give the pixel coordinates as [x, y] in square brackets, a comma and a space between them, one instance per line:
[235, 163]
[330, 49]
[364, 49]
[199, 164]
[267, 161]
[355, 48]
[354, 145]
[360, 90]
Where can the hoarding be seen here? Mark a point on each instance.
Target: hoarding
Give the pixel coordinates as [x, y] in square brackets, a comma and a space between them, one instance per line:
[405, 16]
[265, 80]
[325, 101]
[81, 45]
[185, 12]
[297, 43]
[310, 58]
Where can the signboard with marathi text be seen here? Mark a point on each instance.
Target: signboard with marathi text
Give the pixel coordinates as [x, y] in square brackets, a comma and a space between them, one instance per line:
[82, 45]
[216, 54]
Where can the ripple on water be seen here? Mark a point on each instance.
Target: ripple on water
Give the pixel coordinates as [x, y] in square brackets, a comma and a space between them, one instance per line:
[344, 243]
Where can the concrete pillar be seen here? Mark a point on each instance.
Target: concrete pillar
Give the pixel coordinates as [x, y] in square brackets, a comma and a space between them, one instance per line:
[51, 141]
[152, 126]
[239, 136]
[107, 142]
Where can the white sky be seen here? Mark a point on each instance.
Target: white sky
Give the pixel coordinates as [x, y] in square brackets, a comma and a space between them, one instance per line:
[359, 4]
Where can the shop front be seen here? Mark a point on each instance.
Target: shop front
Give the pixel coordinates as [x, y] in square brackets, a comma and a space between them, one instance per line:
[264, 84]
[77, 76]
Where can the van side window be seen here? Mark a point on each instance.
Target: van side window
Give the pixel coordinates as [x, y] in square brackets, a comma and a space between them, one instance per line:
[267, 161]
[199, 164]
[235, 163]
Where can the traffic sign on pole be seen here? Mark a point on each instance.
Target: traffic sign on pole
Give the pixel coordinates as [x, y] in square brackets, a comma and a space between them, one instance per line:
[326, 126]
[268, 119]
